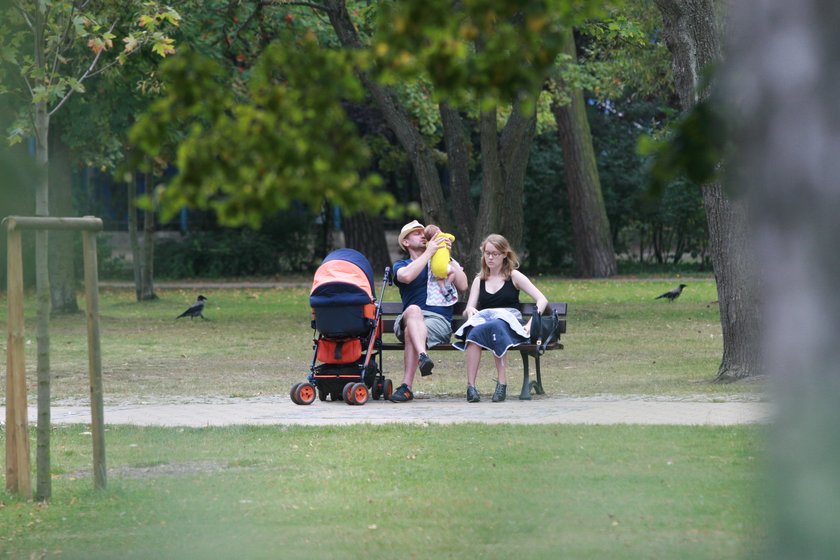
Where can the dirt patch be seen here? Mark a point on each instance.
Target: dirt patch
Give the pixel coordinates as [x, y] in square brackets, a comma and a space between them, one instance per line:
[162, 470]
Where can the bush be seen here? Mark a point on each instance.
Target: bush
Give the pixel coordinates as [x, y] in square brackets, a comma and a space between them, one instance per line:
[284, 244]
[659, 229]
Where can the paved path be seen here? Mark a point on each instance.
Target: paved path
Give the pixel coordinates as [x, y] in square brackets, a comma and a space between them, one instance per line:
[438, 410]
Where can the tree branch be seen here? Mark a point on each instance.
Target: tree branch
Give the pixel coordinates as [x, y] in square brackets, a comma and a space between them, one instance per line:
[312, 5]
[58, 45]
[25, 15]
[84, 77]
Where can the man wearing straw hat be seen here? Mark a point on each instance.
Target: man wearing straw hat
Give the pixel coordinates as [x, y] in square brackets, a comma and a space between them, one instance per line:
[421, 325]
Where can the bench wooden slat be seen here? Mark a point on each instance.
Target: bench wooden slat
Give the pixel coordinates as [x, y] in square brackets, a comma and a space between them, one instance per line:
[395, 308]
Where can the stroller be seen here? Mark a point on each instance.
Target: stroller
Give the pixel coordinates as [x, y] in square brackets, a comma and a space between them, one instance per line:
[347, 317]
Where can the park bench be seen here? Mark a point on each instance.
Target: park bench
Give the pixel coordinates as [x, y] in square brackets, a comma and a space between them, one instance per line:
[390, 310]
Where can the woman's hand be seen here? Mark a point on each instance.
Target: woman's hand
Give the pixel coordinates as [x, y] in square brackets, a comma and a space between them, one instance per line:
[469, 312]
[527, 327]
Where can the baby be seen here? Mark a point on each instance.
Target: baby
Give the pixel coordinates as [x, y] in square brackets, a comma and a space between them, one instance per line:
[439, 291]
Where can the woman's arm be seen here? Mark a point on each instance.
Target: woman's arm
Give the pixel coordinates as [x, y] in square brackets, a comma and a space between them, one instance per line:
[523, 283]
[472, 302]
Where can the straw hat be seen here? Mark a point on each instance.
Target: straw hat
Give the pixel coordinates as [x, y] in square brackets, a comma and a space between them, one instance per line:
[408, 228]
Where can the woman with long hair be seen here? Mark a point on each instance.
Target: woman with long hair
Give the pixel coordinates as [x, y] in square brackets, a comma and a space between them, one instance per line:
[493, 319]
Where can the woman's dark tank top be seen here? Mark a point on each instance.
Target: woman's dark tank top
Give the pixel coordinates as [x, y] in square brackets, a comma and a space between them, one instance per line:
[507, 296]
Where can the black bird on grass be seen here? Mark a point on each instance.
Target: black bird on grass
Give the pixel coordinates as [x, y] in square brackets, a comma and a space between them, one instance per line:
[672, 294]
[195, 310]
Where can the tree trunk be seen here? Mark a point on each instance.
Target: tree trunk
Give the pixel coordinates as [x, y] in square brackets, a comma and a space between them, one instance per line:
[693, 34]
[134, 239]
[784, 72]
[736, 285]
[363, 232]
[594, 253]
[504, 161]
[43, 489]
[62, 261]
[435, 209]
[147, 276]
[514, 151]
[147, 286]
[492, 184]
[142, 253]
[458, 160]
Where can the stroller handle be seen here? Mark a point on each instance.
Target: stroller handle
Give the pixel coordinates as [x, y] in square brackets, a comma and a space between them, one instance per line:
[378, 316]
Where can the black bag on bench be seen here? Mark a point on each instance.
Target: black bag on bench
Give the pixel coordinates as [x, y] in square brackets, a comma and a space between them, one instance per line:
[544, 329]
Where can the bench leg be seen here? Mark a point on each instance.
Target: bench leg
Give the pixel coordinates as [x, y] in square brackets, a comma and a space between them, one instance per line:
[525, 395]
[538, 384]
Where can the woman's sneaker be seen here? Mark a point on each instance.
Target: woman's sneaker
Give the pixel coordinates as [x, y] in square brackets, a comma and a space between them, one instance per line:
[472, 394]
[500, 393]
[402, 394]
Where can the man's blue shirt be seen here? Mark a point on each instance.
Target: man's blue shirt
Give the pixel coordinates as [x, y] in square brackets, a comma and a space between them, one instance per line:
[414, 293]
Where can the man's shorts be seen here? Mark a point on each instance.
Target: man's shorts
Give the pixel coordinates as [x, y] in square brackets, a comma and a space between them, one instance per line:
[438, 327]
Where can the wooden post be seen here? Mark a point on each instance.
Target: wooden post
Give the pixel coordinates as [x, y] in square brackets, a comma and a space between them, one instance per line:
[18, 462]
[97, 409]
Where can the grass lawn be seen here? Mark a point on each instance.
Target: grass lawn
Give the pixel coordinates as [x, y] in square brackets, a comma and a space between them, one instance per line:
[620, 341]
[393, 491]
[399, 492]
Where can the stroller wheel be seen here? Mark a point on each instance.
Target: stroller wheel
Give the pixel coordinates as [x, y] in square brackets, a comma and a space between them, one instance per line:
[360, 394]
[322, 395]
[293, 392]
[347, 393]
[304, 394]
[387, 388]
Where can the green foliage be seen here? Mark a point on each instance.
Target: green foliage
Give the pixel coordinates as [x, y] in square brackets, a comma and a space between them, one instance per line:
[289, 140]
[696, 146]
[74, 40]
[664, 226]
[284, 244]
[492, 50]
[624, 52]
[548, 227]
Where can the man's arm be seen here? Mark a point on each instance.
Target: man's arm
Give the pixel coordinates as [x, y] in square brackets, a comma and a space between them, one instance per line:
[408, 273]
[458, 277]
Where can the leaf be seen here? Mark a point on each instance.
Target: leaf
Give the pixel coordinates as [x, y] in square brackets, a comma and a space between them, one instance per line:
[164, 46]
[76, 85]
[96, 45]
[40, 94]
[131, 43]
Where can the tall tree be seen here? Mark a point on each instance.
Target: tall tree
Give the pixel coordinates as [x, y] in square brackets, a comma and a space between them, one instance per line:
[594, 253]
[504, 153]
[62, 267]
[483, 57]
[783, 82]
[363, 232]
[248, 149]
[693, 34]
[42, 37]
[142, 252]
